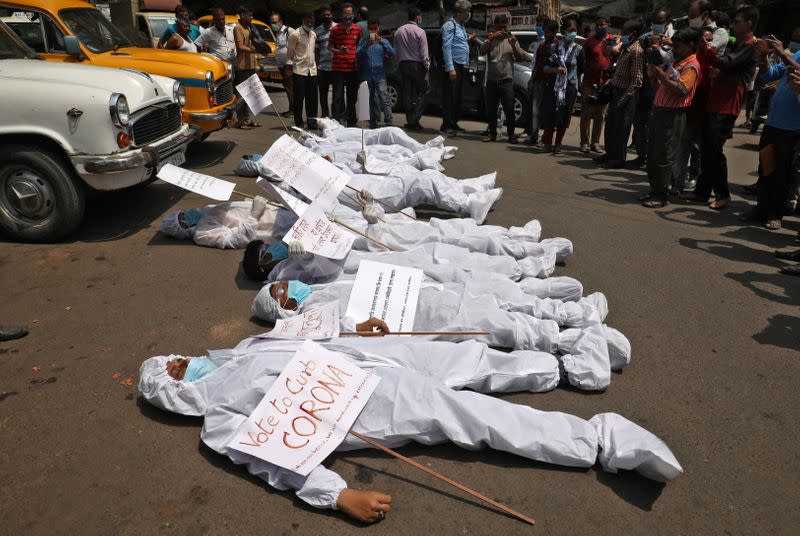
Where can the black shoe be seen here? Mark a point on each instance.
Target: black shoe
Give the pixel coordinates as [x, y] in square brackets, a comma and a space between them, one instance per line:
[614, 164]
[602, 159]
[459, 129]
[751, 217]
[414, 127]
[513, 140]
[9, 333]
[636, 163]
[288, 113]
[451, 133]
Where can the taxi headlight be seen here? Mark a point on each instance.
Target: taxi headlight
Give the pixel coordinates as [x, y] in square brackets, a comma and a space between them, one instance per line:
[118, 107]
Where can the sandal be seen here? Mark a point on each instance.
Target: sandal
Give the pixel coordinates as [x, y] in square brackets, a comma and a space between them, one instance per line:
[645, 197]
[245, 126]
[255, 125]
[773, 225]
[719, 204]
[655, 203]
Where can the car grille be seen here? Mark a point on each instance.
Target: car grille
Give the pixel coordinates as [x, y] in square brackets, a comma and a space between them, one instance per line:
[157, 122]
[224, 92]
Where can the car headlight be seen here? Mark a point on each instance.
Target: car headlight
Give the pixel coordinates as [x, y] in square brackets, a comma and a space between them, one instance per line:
[179, 93]
[118, 107]
[210, 87]
[230, 71]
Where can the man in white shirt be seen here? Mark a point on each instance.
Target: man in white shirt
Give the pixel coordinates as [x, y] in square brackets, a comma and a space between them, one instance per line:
[302, 43]
[217, 40]
[282, 58]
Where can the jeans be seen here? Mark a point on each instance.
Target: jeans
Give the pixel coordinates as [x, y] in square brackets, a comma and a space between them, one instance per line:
[619, 120]
[591, 112]
[667, 126]
[451, 98]
[345, 113]
[324, 82]
[640, 124]
[776, 154]
[305, 91]
[688, 149]
[537, 96]
[415, 87]
[379, 102]
[714, 165]
[500, 92]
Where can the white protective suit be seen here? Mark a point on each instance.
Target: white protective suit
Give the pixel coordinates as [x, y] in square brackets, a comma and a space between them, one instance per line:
[228, 225]
[407, 405]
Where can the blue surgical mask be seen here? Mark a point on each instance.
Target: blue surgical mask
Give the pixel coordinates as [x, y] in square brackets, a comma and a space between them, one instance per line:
[659, 29]
[571, 36]
[191, 217]
[197, 368]
[601, 31]
[539, 30]
[307, 27]
[794, 47]
[278, 251]
[625, 40]
[298, 291]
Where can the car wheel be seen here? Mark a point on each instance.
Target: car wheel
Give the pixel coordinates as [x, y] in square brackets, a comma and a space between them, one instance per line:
[40, 201]
[522, 109]
[393, 89]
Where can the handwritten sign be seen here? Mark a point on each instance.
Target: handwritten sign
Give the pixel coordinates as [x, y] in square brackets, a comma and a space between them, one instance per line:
[307, 412]
[198, 183]
[309, 174]
[319, 323]
[282, 196]
[385, 291]
[363, 102]
[254, 94]
[319, 235]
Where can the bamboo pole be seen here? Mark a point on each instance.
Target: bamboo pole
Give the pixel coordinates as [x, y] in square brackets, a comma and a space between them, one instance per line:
[443, 478]
[381, 244]
[248, 196]
[381, 334]
[359, 203]
[386, 205]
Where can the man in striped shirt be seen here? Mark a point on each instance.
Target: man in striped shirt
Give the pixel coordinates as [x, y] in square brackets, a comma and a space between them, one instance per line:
[343, 43]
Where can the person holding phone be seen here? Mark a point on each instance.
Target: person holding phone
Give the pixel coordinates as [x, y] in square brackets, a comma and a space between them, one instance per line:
[343, 43]
[372, 53]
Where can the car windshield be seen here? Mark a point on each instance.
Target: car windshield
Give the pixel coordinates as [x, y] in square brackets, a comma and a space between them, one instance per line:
[11, 48]
[525, 41]
[94, 30]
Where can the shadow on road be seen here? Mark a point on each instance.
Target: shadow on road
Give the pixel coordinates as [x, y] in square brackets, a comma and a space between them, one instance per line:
[166, 417]
[632, 487]
[732, 251]
[781, 330]
[777, 287]
[208, 153]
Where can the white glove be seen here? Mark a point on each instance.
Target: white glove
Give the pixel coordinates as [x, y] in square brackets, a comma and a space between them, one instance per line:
[330, 216]
[361, 157]
[366, 197]
[296, 248]
[371, 214]
[259, 206]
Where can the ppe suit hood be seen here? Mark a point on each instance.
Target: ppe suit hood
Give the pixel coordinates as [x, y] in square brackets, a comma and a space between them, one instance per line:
[267, 308]
[171, 227]
[167, 393]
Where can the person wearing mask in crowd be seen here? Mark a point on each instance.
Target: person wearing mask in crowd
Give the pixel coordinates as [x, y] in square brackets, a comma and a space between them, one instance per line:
[780, 137]
[541, 19]
[246, 59]
[501, 49]
[625, 85]
[729, 76]
[217, 40]
[324, 59]
[656, 44]
[411, 46]
[702, 16]
[563, 70]
[372, 53]
[302, 43]
[595, 73]
[455, 49]
[343, 43]
[181, 13]
[362, 20]
[282, 58]
[536, 83]
[180, 40]
[675, 87]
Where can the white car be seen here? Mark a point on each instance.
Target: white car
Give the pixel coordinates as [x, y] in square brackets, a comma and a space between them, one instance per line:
[66, 127]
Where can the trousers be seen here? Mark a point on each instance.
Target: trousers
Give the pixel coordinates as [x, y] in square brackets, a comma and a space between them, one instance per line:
[499, 92]
[415, 88]
[667, 126]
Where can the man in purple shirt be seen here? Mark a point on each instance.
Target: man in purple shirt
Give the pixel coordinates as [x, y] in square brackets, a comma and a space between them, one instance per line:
[411, 47]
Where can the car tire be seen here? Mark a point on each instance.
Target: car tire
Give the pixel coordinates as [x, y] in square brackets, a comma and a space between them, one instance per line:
[521, 101]
[41, 199]
[395, 97]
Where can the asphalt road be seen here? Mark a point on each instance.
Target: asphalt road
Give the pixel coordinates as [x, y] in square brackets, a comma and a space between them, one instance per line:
[714, 327]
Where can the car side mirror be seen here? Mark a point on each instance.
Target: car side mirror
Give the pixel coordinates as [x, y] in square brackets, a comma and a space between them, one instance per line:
[72, 46]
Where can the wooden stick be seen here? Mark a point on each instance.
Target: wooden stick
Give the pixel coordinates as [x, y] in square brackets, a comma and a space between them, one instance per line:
[359, 203]
[248, 196]
[443, 478]
[385, 205]
[381, 244]
[280, 119]
[381, 334]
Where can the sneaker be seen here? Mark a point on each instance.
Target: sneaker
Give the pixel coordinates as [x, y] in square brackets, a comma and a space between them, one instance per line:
[595, 148]
[584, 148]
[489, 138]
[691, 184]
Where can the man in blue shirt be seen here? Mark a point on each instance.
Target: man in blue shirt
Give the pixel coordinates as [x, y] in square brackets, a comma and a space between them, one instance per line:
[180, 13]
[324, 58]
[779, 138]
[455, 49]
[372, 51]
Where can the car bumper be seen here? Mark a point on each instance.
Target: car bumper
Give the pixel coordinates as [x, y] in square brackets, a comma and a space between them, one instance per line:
[223, 114]
[147, 157]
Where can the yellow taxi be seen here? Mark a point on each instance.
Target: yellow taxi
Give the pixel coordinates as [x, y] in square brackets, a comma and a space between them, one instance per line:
[75, 31]
[268, 66]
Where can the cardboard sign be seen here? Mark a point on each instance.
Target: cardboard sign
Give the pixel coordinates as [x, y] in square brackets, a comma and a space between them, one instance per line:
[254, 94]
[307, 412]
[309, 174]
[319, 235]
[319, 323]
[282, 196]
[198, 183]
[363, 102]
[385, 291]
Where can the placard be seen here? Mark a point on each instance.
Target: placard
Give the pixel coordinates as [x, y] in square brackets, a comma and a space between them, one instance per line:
[319, 323]
[363, 102]
[198, 183]
[319, 235]
[282, 196]
[386, 291]
[309, 174]
[307, 412]
[254, 94]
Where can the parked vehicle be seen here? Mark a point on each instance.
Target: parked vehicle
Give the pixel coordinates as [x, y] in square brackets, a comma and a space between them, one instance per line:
[151, 25]
[75, 126]
[75, 31]
[474, 80]
[268, 71]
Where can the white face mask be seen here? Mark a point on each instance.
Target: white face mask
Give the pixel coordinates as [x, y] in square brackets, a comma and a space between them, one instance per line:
[696, 22]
